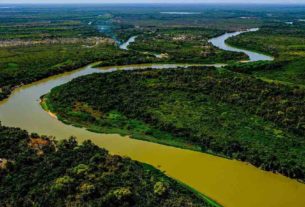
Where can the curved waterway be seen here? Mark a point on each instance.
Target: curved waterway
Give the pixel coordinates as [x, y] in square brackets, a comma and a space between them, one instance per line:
[229, 182]
[220, 42]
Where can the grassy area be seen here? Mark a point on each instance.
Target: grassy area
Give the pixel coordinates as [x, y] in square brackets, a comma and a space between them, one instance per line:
[251, 120]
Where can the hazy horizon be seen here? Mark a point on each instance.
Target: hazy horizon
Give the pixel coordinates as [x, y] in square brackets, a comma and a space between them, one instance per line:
[152, 2]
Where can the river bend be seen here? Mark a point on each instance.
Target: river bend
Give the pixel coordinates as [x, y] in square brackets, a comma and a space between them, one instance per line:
[229, 182]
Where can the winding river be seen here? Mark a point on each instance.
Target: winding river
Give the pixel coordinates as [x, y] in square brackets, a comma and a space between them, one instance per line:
[229, 182]
[220, 42]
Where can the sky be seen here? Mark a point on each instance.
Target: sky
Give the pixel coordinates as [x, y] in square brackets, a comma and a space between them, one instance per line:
[154, 1]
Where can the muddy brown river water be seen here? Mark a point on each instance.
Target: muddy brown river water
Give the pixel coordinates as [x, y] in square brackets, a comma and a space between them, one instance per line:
[231, 183]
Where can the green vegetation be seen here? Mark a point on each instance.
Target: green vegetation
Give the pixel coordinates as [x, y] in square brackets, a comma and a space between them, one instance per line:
[184, 45]
[46, 29]
[115, 122]
[39, 41]
[39, 171]
[48, 22]
[285, 42]
[218, 111]
[221, 17]
[252, 112]
[22, 65]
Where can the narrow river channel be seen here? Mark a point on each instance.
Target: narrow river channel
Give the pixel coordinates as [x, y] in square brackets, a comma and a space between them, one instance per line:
[229, 182]
[220, 42]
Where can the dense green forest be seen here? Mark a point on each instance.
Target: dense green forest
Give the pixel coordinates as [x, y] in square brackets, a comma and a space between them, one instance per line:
[251, 120]
[38, 171]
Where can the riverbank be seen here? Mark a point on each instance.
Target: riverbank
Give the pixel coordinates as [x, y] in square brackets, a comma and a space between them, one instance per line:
[222, 42]
[50, 62]
[187, 166]
[200, 171]
[185, 106]
[58, 171]
[284, 42]
[134, 128]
